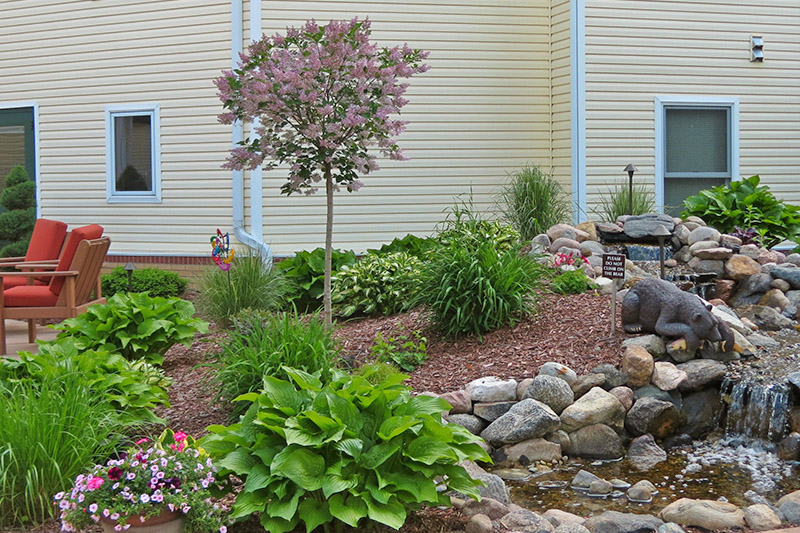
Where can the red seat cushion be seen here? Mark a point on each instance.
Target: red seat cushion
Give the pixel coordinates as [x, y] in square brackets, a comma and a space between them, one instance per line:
[29, 296]
[46, 240]
[92, 231]
[16, 282]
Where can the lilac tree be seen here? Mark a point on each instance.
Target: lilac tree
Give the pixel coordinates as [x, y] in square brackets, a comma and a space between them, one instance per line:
[319, 98]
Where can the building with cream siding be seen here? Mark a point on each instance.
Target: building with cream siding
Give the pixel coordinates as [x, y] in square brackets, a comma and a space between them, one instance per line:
[579, 87]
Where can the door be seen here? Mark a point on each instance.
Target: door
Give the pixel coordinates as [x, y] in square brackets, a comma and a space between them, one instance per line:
[17, 145]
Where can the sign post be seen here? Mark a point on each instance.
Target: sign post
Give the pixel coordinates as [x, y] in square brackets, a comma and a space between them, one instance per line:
[614, 268]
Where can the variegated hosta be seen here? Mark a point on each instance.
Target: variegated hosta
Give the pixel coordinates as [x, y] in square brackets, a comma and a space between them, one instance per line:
[347, 451]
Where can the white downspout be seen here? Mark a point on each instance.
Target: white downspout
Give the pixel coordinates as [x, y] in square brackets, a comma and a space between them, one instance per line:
[255, 239]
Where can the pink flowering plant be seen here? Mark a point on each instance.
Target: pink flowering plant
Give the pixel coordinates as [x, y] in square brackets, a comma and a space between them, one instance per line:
[568, 262]
[318, 98]
[171, 475]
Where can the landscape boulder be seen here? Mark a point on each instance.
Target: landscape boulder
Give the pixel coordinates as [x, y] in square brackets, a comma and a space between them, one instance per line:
[595, 407]
[616, 522]
[597, 441]
[527, 419]
[656, 417]
[551, 391]
[708, 514]
[644, 453]
[492, 389]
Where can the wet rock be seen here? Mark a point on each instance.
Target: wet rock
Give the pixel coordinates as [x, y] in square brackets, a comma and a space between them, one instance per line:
[644, 453]
[597, 441]
[616, 522]
[487, 507]
[766, 318]
[526, 521]
[789, 447]
[587, 382]
[583, 479]
[493, 486]
[460, 401]
[761, 517]
[562, 518]
[624, 395]
[491, 411]
[788, 273]
[700, 373]
[512, 474]
[656, 417]
[703, 233]
[479, 523]
[644, 226]
[775, 298]
[639, 494]
[528, 419]
[551, 391]
[789, 505]
[652, 343]
[701, 411]
[600, 487]
[522, 386]
[708, 514]
[492, 389]
[619, 484]
[532, 450]
[595, 407]
[562, 231]
[563, 242]
[558, 370]
[614, 376]
[473, 424]
[638, 363]
[667, 376]
[711, 351]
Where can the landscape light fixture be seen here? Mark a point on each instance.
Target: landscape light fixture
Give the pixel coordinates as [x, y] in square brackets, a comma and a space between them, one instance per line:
[630, 169]
[661, 233]
[129, 268]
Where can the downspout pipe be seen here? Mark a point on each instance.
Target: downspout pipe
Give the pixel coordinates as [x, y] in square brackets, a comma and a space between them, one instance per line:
[255, 239]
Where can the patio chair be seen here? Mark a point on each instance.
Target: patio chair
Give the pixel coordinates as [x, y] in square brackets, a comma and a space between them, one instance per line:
[75, 285]
[45, 245]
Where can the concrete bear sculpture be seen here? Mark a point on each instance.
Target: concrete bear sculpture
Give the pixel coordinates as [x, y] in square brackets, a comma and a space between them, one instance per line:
[657, 306]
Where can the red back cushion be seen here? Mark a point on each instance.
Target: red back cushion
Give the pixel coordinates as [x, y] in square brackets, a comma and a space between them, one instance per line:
[85, 233]
[46, 241]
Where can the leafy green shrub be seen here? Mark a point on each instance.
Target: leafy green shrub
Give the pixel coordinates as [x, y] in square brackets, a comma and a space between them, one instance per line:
[405, 351]
[533, 201]
[262, 345]
[465, 226]
[156, 282]
[475, 290]
[411, 244]
[306, 272]
[250, 283]
[615, 202]
[572, 282]
[376, 373]
[132, 389]
[136, 326]
[746, 204]
[375, 285]
[49, 432]
[16, 223]
[341, 452]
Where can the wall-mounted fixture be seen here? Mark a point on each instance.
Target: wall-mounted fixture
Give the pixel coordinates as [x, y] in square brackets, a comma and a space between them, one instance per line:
[756, 49]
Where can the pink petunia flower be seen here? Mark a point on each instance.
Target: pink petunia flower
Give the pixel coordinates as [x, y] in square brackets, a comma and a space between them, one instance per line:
[95, 483]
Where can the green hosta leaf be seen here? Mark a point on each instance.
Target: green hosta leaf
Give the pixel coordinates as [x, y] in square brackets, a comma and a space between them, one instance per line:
[351, 447]
[285, 508]
[278, 525]
[334, 482]
[347, 508]
[393, 514]
[303, 379]
[397, 425]
[377, 455]
[301, 465]
[246, 504]
[239, 461]
[258, 478]
[314, 514]
[429, 450]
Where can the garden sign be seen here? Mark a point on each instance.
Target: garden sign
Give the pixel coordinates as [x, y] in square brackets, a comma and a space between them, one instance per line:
[614, 268]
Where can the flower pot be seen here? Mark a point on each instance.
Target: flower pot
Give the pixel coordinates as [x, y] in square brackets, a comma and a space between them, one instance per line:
[166, 522]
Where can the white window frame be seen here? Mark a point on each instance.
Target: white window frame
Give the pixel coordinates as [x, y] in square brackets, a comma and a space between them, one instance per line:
[662, 103]
[134, 197]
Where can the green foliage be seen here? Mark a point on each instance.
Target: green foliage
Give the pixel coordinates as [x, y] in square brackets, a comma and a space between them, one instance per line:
[15, 249]
[464, 226]
[615, 202]
[411, 244]
[572, 282]
[375, 285]
[134, 325]
[17, 175]
[376, 373]
[250, 283]
[345, 451]
[20, 196]
[261, 345]
[154, 281]
[407, 351]
[533, 201]
[17, 226]
[746, 204]
[306, 272]
[49, 432]
[16, 223]
[132, 389]
[477, 289]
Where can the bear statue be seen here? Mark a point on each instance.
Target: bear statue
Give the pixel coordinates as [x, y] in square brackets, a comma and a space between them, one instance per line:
[657, 306]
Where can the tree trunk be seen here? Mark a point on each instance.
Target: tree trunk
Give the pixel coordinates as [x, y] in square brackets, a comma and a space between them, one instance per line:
[326, 298]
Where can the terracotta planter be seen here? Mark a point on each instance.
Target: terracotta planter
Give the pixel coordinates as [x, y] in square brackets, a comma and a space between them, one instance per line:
[166, 522]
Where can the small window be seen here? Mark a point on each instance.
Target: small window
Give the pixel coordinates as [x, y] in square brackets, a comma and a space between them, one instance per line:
[133, 154]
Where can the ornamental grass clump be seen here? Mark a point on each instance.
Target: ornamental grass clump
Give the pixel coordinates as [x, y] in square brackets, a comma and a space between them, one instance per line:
[173, 475]
[532, 201]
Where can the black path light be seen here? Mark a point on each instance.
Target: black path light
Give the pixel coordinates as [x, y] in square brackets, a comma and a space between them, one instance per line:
[129, 268]
[630, 169]
[661, 233]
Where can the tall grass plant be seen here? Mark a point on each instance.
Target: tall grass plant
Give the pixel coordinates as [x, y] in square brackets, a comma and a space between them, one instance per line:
[615, 202]
[532, 201]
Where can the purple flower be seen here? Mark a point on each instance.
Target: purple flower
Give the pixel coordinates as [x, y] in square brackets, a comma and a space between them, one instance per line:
[144, 498]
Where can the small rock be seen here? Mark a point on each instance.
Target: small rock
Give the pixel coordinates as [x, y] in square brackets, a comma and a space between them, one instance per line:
[561, 518]
[729, 240]
[727, 315]
[695, 220]
[638, 363]
[789, 505]
[616, 522]
[765, 318]
[597, 441]
[542, 240]
[587, 382]
[714, 254]
[644, 226]
[750, 250]
[667, 376]
[551, 391]
[723, 289]
[493, 486]
[570, 528]
[526, 521]
[707, 265]
[491, 411]
[479, 523]
[590, 247]
[708, 514]
[619, 484]
[522, 386]
[739, 267]
[775, 298]
[614, 376]
[583, 480]
[763, 341]
[652, 343]
[487, 507]
[492, 389]
[559, 437]
[531, 451]
[600, 487]
[644, 453]
[701, 410]
[656, 417]
[703, 233]
[768, 256]
[682, 233]
[670, 527]
[589, 228]
[460, 401]
[563, 242]
[781, 285]
[527, 419]
[678, 354]
[624, 395]
[639, 494]
[472, 423]
[560, 371]
[700, 373]
[789, 447]
[704, 245]
[562, 231]
[595, 407]
[760, 517]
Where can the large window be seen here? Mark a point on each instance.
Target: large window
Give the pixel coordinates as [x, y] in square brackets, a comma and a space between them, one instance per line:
[696, 147]
[133, 154]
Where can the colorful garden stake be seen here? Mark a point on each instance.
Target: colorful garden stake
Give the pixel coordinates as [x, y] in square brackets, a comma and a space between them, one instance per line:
[221, 251]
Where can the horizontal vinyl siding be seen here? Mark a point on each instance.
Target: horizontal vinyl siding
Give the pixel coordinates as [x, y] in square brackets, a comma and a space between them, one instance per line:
[561, 136]
[77, 57]
[638, 50]
[481, 111]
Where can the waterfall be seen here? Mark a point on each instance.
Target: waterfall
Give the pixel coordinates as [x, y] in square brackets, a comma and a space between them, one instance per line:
[757, 410]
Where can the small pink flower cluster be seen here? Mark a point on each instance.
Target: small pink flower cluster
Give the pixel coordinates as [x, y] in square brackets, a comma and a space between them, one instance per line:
[568, 260]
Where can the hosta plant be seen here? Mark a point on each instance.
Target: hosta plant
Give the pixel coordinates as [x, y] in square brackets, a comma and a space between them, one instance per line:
[305, 271]
[376, 285]
[345, 452]
[134, 325]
